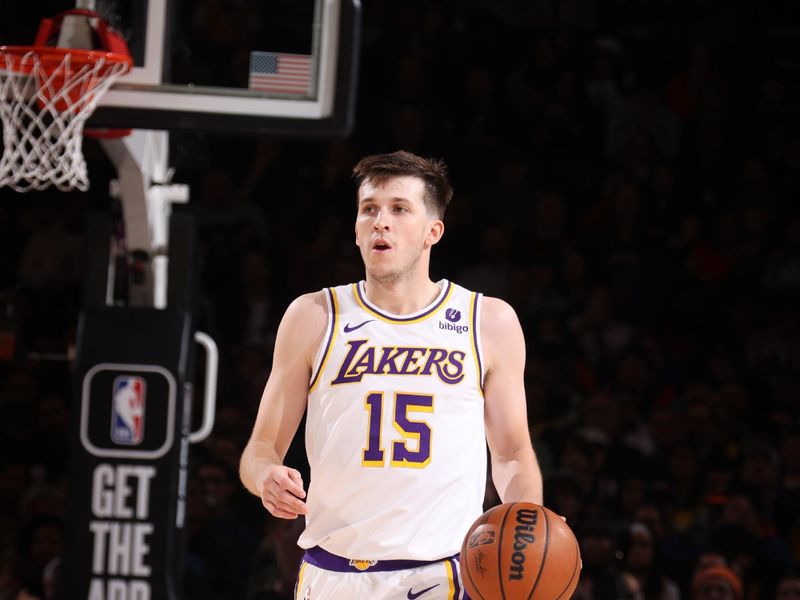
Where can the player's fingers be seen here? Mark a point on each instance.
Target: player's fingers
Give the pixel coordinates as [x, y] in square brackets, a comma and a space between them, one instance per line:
[281, 492]
[295, 483]
[290, 502]
[283, 499]
[285, 514]
[276, 511]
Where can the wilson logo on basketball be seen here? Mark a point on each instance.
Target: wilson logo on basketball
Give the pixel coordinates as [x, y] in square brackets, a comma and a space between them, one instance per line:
[523, 536]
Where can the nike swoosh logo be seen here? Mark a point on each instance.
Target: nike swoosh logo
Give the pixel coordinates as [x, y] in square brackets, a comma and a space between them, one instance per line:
[348, 329]
[414, 596]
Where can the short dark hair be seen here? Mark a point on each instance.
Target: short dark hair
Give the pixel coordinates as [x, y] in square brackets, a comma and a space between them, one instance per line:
[379, 168]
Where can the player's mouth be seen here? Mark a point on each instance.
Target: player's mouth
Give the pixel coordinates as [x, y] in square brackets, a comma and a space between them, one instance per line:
[381, 246]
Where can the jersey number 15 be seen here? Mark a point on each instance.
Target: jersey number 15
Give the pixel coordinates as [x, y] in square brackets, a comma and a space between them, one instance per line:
[416, 431]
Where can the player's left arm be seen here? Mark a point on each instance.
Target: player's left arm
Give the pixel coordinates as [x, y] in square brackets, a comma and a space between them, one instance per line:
[515, 469]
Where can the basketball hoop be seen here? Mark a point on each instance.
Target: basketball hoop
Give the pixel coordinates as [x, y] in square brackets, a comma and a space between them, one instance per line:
[46, 96]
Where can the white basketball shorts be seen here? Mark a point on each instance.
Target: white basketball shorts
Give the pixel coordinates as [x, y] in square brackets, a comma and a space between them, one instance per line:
[325, 576]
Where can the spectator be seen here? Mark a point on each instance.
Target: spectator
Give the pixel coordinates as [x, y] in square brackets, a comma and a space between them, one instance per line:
[788, 588]
[640, 559]
[716, 583]
[39, 542]
[600, 576]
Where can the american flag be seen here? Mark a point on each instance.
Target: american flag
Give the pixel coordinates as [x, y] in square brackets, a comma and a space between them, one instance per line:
[280, 73]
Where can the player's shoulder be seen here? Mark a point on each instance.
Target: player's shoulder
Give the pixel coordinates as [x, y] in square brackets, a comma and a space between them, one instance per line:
[307, 312]
[497, 312]
[305, 321]
[501, 331]
[308, 305]
[310, 301]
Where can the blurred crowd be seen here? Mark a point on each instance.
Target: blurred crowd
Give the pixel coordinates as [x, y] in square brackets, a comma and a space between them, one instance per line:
[626, 176]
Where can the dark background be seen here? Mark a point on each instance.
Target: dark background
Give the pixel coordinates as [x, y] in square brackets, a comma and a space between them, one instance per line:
[627, 177]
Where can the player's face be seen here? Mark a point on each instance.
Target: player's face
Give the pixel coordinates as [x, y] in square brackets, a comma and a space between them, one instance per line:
[394, 229]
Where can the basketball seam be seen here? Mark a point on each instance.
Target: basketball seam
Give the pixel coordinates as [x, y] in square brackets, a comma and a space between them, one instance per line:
[467, 570]
[472, 581]
[574, 570]
[544, 553]
[500, 553]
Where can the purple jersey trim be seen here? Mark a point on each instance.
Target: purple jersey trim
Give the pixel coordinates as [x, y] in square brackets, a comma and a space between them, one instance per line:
[475, 298]
[363, 298]
[330, 562]
[329, 341]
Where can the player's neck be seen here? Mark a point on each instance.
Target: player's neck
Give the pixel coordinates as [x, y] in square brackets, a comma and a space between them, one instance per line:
[402, 297]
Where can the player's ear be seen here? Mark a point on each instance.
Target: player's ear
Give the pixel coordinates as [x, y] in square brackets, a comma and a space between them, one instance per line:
[435, 232]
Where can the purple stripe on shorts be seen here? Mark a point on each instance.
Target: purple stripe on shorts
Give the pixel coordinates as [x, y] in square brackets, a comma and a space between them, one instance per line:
[457, 561]
[330, 562]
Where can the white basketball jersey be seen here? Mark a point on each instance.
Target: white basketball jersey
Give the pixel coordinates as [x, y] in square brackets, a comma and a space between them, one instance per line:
[394, 428]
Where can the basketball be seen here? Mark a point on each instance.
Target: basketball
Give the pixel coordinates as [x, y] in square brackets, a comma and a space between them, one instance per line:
[520, 551]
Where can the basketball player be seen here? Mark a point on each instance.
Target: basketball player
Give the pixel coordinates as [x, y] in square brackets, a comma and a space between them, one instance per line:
[404, 380]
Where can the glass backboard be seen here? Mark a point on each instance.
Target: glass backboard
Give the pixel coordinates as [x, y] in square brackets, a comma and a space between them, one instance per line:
[256, 66]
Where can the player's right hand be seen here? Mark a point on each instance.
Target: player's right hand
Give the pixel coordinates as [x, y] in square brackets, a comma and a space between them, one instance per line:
[281, 490]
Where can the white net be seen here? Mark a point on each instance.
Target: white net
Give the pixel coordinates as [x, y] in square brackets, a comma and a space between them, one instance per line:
[44, 105]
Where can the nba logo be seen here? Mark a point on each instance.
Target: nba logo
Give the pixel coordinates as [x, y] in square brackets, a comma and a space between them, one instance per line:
[127, 410]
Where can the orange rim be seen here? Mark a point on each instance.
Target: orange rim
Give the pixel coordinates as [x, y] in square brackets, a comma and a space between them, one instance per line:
[51, 58]
[107, 133]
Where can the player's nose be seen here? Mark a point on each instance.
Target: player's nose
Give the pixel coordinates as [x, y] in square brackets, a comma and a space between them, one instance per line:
[380, 223]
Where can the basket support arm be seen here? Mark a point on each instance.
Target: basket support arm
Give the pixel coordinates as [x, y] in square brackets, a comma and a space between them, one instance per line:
[144, 188]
